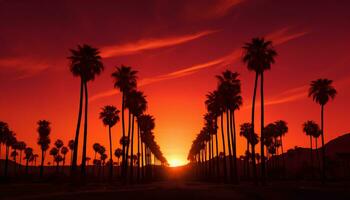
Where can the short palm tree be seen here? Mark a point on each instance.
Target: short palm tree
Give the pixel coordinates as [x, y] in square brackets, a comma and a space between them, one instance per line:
[28, 154]
[71, 148]
[321, 91]
[64, 151]
[85, 62]
[125, 80]
[44, 130]
[110, 117]
[310, 128]
[259, 55]
[281, 130]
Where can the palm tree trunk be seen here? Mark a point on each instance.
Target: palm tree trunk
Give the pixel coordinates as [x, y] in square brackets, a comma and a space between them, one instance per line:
[127, 146]
[142, 160]
[234, 147]
[223, 147]
[77, 130]
[123, 146]
[311, 157]
[27, 160]
[6, 160]
[132, 151]
[138, 152]
[110, 153]
[283, 160]
[229, 143]
[247, 159]
[253, 123]
[323, 147]
[217, 150]
[209, 161]
[263, 171]
[317, 154]
[83, 160]
[212, 156]
[42, 164]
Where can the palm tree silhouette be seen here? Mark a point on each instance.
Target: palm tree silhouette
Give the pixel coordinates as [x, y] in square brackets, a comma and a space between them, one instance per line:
[125, 81]
[214, 109]
[110, 117]
[245, 130]
[54, 152]
[259, 55]
[21, 146]
[311, 128]
[44, 130]
[28, 154]
[321, 91]
[64, 151]
[10, 140]
[71, 148]
[229, 88]
[85, 62]
[281, 130]
[137, 104]
[118, 154]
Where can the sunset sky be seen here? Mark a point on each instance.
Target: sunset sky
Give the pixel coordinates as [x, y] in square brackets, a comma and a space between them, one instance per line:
[178, 47]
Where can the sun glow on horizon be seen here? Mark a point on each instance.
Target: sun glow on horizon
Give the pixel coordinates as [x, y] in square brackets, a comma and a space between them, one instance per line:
[175, 162]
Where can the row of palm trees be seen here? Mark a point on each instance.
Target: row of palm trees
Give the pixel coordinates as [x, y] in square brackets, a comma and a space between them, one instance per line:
[258, 55]
[86, 64]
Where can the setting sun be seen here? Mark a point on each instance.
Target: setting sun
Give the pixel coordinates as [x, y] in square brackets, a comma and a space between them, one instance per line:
[175, 162]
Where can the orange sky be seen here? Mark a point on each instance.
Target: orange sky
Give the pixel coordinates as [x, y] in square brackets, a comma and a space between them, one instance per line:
[177, 47]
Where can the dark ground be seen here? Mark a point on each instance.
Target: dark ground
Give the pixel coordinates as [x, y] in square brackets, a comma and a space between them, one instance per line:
[178, 190]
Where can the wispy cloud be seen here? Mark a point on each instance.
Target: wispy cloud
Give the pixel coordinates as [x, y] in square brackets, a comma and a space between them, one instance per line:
[279, 37]
[148, 44]
[22, 67]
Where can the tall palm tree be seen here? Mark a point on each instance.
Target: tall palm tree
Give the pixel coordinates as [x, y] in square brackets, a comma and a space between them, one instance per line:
[110, 117]
[3, 131]
[44, 130]
[230, 89]
[85, 62]
[259, 55]
[321, 91]
[137, 104]
[281, 130]
[125, 80]
[214, 109]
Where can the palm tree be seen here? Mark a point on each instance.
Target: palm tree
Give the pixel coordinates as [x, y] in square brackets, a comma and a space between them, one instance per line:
[137, 104]
[281, 130]
[28, 152]
[245, 130]
[118, 153]
[259, 55]
[110, 116]
[214, 109]
[85, 62]
[230, 89]
[10, 140]
[44, 130]
[125, 80]
[54, 152]
[321, 91]
[71, 148]
[64, 151]
[311, 128]
[3, 131]
[21, 146]
[58, 144]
